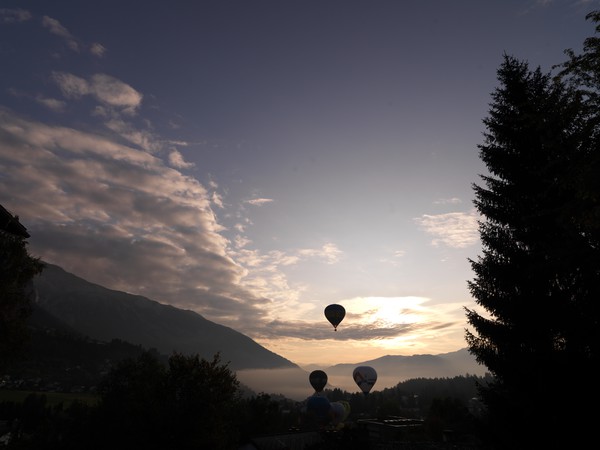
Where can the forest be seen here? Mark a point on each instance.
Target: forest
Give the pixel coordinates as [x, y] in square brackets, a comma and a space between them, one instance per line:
[193, 403]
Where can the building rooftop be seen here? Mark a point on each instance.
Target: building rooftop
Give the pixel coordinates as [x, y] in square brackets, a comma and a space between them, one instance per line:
[11, 224]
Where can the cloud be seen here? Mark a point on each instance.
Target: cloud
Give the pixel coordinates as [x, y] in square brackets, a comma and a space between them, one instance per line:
[328, 252]
[448, 201]
[70, 85]
[457, 229]
[74, 44]
[114, 92]
[351, 332]
[142, 138]
[57, 29]
[97, 49]
[217, 200]
[106, 89]
[176, 160]
[265, 276]
[118, 216]
[51, 103]
[259, 201]
[14, 15]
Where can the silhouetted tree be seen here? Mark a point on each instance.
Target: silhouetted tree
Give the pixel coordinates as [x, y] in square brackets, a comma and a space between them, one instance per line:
[539, 275]
[202, 403]
[17, 269]
[447, 414]
[262, 415]
[582, 73]
[190, 404]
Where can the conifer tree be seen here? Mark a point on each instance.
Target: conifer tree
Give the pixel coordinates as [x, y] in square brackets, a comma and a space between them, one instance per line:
[539, 275]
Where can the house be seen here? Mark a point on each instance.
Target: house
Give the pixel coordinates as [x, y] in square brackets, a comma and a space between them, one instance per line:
[10, 224]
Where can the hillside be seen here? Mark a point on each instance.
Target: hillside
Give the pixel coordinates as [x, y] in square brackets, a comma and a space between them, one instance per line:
[104, 314]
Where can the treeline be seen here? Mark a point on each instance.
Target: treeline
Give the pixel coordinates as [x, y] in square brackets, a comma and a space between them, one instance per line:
[189, 402]
[58, 360]
[142, 403]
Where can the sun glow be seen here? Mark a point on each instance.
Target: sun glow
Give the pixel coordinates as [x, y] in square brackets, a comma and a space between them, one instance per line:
[386, 311]
[422, 325]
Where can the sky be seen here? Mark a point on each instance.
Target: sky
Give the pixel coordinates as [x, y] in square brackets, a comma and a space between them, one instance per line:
[257, 160]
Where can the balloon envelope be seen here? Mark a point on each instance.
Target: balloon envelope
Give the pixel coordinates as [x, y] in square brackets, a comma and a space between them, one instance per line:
[340, 411]
[365, 377]
[337, 411]
[318, 408]
[346, 406]
[318, 380]
[335, 314]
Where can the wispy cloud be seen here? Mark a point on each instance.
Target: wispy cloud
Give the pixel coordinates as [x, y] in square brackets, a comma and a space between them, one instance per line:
[448, 201]
[145, 139]
[73, 43]
[457, 229]
[176, 160]
[51, 103]
[106, 89]
[57, 29]
[259, 201]
[394, 259]
[14, 15]
[97, 49]
[265, 276]
[137, 220]
[217, 199]
[329, 252]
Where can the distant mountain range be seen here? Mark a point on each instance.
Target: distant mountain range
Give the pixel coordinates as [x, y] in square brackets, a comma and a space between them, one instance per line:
[78, 306]
[392, 369]
[418, 366]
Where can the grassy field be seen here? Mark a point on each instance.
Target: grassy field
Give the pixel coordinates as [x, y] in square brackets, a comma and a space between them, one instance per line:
[52, 398]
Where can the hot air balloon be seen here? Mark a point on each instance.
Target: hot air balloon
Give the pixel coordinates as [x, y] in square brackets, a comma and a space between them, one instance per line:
[337, 412]
[335, 314]
[340, 411]
[318, 380]
[318, 410]
[346, 406]
[365, 377]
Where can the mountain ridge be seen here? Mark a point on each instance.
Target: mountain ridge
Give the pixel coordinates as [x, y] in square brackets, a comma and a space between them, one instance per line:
[402, 367]
[106, 314]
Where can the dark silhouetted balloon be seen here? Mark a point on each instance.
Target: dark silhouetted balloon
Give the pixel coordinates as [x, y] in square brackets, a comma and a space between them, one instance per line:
[319, 409]
[365, 377]
[335, 314]
[318, 380]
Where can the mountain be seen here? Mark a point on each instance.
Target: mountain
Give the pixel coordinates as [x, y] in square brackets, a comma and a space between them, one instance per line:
[392, 369]
[106, 314]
